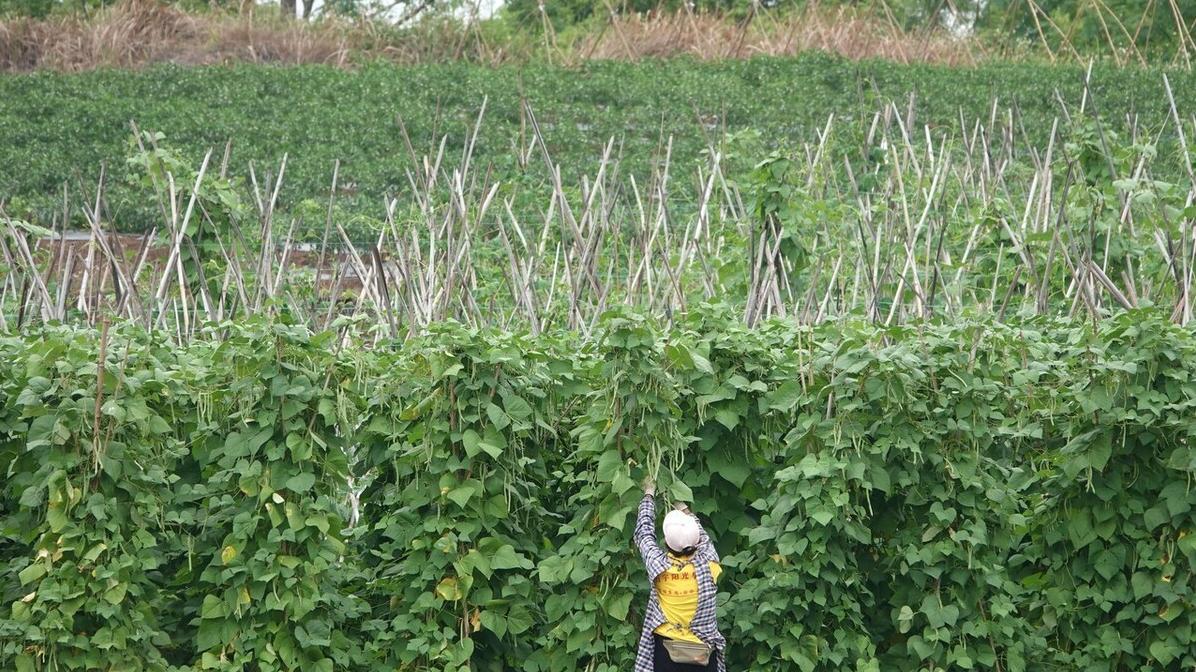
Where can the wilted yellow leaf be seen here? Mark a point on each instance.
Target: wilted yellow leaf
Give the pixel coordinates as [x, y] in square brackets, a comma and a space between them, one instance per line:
[448, 590]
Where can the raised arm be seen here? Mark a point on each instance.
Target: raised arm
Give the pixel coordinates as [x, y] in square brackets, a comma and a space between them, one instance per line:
[654, 557]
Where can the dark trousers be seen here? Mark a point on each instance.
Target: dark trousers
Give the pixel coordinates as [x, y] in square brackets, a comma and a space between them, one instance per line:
[662, 663]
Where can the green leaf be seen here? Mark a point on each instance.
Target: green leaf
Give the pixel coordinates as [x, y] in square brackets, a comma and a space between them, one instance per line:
[497, 416]
[462, 494]
[1143, 585]
[494, 622]
[1110, 562]
[733, 468]
[516, 406]
[212, 608]
[758, 535]
[785, 397]
[609, 464]
[822, 516]
[614, 513]
[680, 491]
[470, 440]
[1177, 497]
[1164, 651]
[1170, 612]
[320, 522]
[679, 355]
[879, 477]
[1079, 528]
[116, 594]
[1099, 451]
[506, 558]
[1155, 516]
[301, 482]
[56, 517]
[519, 620]
[618, 605]
[94, 553]
[1187, 546]
[622, 482]
[1183, 458]
[32, 573]
[919, 647]
[158, 426]
[727, 417]
[490, 449]
[701, 363]
[555, 569]
[295, 517]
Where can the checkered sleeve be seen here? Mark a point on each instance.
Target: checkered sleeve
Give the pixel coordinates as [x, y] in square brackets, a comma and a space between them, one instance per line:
[706, 550]
[655, 560]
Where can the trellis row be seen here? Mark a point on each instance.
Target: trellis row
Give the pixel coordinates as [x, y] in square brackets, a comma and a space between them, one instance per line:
[983, 495]
[909, 225]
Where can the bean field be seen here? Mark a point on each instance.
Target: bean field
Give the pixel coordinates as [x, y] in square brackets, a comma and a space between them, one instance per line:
[331, 369]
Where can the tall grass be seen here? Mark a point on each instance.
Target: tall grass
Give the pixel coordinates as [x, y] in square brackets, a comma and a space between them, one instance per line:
[136, 33]
[841, 31]
[139, 33]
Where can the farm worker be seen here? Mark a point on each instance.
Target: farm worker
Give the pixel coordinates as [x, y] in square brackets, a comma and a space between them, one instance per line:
[680, 626]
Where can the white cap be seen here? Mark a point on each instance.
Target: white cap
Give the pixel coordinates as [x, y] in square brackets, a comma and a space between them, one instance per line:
[680, 531]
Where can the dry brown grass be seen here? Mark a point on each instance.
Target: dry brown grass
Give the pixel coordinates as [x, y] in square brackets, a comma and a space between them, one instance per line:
[139, 33]
[708, 36]
[136, 33]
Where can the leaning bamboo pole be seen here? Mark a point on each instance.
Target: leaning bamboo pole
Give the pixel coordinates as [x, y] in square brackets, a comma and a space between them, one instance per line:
[916, 223]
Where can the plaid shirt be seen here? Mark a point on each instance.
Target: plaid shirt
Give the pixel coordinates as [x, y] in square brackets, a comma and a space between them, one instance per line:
[705, 622]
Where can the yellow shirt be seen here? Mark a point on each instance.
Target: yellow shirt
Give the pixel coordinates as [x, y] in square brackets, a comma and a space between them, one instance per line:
[678, 591]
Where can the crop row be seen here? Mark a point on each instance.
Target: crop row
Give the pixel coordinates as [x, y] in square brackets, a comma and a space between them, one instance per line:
[55, 128]
[971, 496]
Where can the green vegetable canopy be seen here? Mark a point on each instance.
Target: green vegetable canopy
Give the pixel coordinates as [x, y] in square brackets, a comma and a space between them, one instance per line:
[968, 496]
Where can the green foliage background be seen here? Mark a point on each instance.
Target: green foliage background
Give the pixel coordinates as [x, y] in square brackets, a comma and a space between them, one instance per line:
[967, 496]
[57, 129]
